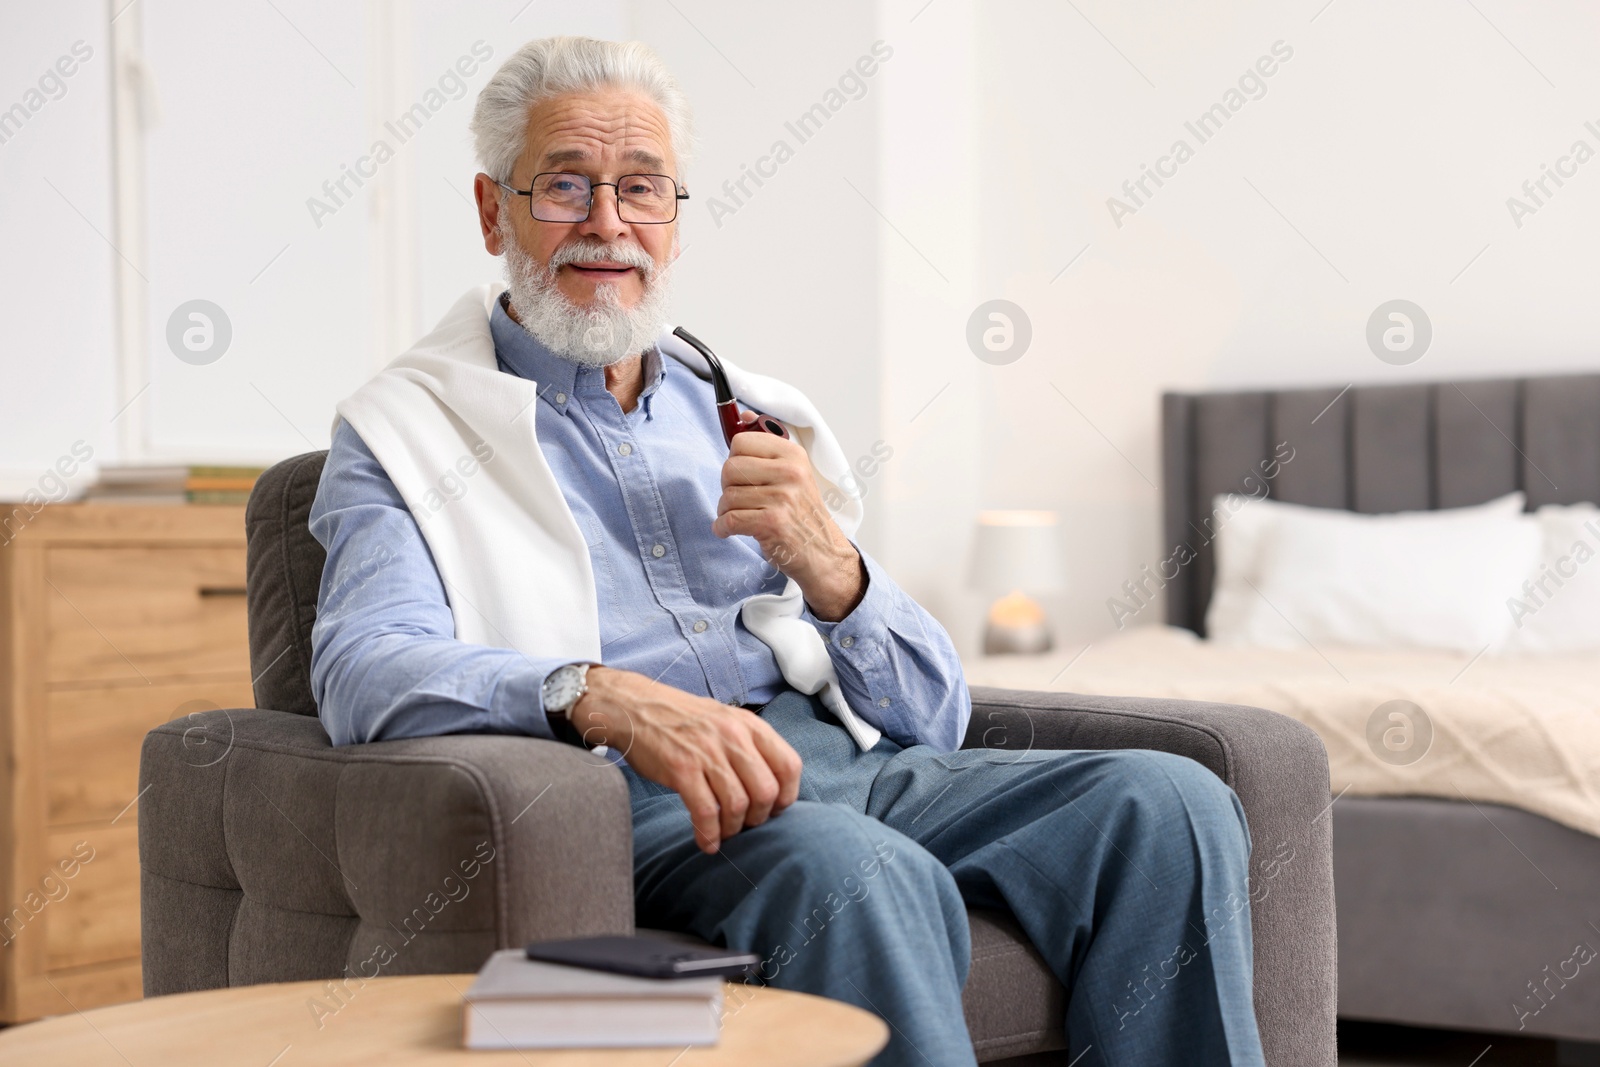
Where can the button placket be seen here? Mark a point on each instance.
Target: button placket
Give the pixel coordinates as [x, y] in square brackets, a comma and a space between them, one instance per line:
[634, 472]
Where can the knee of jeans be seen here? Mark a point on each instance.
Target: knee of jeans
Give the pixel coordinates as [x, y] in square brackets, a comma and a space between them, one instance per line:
[1181, 788]
[832, 846]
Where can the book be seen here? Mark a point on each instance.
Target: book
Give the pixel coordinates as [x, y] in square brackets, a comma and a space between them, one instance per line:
[519, 1003]
[148, 484]
[141, 476]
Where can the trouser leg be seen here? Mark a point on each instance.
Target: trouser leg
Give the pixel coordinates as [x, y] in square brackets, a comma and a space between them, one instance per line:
[834, 902]
[1126, 869]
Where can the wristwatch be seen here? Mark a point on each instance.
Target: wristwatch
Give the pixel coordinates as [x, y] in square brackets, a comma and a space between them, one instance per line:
[562, 689]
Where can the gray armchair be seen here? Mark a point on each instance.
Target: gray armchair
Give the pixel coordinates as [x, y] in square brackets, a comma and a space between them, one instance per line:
[268, 855]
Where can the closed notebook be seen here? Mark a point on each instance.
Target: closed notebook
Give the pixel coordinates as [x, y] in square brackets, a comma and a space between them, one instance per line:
[516, 1002]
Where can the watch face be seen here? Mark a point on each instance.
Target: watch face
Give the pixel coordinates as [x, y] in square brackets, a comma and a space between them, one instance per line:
[561, 689]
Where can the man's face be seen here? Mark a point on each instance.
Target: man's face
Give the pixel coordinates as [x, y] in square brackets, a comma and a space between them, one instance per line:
[601, 135]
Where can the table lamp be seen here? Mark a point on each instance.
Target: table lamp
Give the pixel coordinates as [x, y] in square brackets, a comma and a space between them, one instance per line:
[1016, 551]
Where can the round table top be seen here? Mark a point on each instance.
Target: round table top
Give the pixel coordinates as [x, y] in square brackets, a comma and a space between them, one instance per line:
[415, 1019]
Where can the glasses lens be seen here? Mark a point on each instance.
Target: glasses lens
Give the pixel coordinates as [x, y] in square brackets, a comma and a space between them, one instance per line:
[560, 198]
[647, 198]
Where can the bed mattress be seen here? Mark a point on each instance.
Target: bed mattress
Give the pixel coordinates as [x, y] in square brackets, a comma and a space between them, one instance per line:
[1517, 731]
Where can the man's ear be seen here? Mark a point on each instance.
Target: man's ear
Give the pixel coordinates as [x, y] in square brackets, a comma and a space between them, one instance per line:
[489, 205]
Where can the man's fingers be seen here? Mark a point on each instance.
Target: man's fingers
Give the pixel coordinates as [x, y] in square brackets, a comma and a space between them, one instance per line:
[783, 761]
[753, 522]
[704, 814]
[750, 469]
[745, 498]
[731, 796]
[760, 784]
[761, 444]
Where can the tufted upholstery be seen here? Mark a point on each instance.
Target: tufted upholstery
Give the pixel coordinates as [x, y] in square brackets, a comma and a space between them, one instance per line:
[1371, 448]
[283, 573]
[268, 855]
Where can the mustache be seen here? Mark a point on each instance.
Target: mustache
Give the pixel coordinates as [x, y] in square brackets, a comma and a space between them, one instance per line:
[584, 249]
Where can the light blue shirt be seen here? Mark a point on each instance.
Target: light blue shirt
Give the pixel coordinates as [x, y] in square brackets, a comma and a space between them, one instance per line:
[643, 487]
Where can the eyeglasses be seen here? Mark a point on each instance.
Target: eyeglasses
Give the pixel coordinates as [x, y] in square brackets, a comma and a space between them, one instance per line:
[648, 199]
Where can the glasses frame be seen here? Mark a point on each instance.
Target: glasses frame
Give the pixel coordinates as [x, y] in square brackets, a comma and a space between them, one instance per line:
[679, 191]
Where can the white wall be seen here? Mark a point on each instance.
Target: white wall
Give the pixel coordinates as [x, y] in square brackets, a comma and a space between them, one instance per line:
[248, 120]
[57, 373]
[933, 179]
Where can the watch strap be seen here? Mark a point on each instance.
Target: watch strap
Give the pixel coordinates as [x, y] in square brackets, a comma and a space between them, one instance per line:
[560, 719]
[563, 729]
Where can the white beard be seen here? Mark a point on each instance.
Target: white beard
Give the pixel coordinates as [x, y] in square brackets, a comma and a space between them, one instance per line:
[595, 336]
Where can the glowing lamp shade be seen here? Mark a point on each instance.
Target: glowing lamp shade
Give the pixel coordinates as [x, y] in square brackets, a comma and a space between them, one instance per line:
[1014, 553]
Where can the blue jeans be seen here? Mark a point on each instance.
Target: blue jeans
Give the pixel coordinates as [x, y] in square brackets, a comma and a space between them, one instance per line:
[1126, 869]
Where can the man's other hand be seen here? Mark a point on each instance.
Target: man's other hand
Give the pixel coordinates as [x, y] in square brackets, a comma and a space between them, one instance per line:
[730, 767]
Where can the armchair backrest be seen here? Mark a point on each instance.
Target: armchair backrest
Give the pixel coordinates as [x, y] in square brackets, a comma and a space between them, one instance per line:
[284, 571]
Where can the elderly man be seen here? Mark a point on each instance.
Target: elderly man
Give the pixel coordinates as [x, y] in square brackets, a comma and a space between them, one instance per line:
[534, 526]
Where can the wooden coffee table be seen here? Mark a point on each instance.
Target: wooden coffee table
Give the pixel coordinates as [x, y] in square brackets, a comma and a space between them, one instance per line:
[415, 1019]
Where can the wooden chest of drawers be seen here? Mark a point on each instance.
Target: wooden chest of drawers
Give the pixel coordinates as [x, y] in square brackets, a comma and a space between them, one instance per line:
[113, 619]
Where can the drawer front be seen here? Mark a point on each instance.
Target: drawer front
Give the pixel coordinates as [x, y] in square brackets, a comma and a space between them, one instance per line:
[93, 736]
[94, 914]
[144, 613]
[64, 992]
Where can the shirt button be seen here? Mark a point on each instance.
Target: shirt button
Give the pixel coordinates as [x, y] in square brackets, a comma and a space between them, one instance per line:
[700, 626]
[624, 449]
[561, 398]
[883, 702]
[847, 641]
[658, 551]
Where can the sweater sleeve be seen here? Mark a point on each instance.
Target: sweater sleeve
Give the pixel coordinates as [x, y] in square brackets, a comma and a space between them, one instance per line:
[385, 662]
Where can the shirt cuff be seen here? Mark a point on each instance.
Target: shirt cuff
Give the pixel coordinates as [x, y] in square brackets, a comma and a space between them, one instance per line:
[517, 705]
[859, 638]
[514, 706]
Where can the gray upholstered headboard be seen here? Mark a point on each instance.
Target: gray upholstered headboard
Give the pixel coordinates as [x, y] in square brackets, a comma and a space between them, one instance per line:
[1372, 449]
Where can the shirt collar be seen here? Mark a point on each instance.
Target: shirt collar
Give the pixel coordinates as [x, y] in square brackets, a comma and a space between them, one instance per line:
[560, 380]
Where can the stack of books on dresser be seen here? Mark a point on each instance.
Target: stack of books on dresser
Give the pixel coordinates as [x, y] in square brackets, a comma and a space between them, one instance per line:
[137, 484]
[516, 1002]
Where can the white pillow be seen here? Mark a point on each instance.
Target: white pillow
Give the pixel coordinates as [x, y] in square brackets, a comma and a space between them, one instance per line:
[1241, 523]
[1421, 579]
[1558, 608]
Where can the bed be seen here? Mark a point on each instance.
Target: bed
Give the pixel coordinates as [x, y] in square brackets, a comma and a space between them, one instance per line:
[1468, 881]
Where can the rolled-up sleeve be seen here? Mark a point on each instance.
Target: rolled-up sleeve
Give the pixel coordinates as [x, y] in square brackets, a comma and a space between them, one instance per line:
[897, 666]
[385, 662]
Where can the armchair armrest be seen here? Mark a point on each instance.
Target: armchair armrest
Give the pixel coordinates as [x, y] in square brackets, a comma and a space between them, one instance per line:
[268, 855]
[1279, 770]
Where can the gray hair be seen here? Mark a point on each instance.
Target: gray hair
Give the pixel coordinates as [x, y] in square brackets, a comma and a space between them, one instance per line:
[555, 65]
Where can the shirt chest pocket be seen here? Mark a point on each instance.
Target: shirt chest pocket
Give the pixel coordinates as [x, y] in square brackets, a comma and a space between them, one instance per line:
[614, 622]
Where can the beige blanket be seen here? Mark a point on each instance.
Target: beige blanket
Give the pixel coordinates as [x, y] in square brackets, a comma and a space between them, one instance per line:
[1521, 732]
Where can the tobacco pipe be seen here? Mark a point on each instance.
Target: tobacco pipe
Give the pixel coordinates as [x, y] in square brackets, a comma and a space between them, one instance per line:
[727, 406]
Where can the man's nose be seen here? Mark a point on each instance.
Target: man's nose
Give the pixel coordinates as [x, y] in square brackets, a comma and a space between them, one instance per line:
[604, 219]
